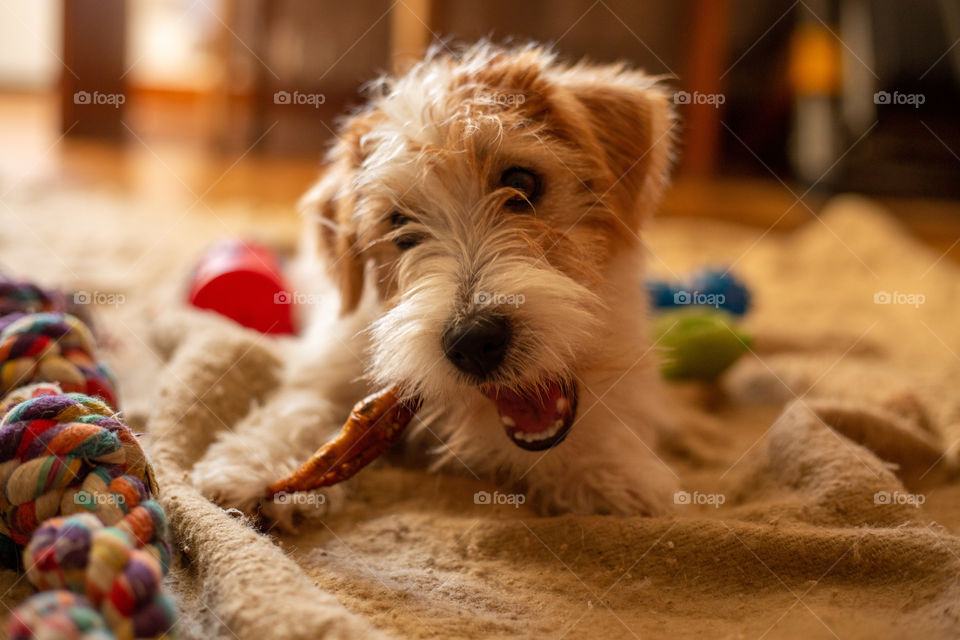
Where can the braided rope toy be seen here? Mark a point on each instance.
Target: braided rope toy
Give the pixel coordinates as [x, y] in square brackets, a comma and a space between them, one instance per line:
[49, 445]
[51, 347]
[26, 297]
[75, 485]
[106, 565]
[58, 614]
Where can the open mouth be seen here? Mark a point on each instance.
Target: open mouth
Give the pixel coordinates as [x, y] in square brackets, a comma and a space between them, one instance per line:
[540, 420]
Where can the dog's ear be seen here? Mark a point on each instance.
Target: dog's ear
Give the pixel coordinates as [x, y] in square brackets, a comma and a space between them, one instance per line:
[632, 121]
[330, 206]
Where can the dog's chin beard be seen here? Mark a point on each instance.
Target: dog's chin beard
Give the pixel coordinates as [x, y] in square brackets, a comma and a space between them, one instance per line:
[535, 415]
[536, 419]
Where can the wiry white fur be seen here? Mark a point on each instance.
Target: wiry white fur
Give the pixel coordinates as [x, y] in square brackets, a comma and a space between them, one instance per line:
[608, 462]
[275, 438]
[455, 274]
[423, 158]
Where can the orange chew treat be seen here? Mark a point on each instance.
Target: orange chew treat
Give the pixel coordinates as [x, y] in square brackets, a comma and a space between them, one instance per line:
[375, 423]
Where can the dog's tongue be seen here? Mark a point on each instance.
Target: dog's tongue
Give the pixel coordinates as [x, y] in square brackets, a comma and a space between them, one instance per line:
[539, 420]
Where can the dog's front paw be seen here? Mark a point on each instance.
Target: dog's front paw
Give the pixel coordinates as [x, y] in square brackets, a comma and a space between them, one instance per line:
[239, 483]
[230, 484]
[287, 511]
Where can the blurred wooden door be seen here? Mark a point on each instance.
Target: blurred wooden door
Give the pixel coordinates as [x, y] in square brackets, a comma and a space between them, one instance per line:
[92, 88]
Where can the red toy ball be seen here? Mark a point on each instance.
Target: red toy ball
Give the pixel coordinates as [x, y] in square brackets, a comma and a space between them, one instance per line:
[243, 282]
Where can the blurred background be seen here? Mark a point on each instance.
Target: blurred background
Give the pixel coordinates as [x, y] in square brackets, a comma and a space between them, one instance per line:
[783, 103]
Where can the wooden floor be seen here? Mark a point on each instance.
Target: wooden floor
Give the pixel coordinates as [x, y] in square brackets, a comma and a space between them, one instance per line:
[155, 165]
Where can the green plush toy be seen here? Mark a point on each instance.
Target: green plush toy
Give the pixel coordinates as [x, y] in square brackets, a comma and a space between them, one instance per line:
[698, 343]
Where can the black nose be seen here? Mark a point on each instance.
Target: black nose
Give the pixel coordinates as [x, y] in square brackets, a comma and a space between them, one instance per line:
[477, 344]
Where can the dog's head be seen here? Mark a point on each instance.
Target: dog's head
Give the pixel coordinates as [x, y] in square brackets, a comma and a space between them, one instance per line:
[485, 196]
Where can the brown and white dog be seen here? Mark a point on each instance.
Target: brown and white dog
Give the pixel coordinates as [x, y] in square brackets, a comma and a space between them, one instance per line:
[480, 219]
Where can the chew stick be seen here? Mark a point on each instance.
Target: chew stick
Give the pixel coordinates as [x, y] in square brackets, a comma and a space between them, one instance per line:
[375, 423]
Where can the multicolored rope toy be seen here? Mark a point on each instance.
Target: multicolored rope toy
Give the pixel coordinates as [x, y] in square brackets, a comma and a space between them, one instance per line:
[57, 614]
[105, 564]
[51, 347]
[57, 454]
[76, 488]
[26, 297]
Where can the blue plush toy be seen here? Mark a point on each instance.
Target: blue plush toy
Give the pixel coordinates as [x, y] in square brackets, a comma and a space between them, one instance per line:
[695, 324]
[712, 287]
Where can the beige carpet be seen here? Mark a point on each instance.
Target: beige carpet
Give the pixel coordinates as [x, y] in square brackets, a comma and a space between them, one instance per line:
[821, 445]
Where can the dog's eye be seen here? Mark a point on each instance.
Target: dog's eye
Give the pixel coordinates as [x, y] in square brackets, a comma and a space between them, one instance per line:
[407, 241]
[524, 181]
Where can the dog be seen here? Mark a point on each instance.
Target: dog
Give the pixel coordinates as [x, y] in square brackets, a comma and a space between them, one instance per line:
[479, 220]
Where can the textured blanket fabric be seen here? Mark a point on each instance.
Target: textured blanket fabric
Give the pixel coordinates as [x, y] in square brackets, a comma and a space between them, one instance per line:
[821, 493]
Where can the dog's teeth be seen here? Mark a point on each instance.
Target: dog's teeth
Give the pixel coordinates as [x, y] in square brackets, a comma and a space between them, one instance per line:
[561, 405]
[537, 437]
[508, 421]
